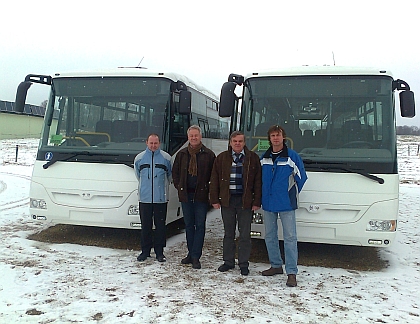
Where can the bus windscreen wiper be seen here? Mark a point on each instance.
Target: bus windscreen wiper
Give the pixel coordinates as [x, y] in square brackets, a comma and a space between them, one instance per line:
[131, 165]
[339, 166]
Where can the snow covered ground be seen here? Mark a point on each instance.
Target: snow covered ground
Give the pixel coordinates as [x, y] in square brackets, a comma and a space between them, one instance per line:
[69, 283]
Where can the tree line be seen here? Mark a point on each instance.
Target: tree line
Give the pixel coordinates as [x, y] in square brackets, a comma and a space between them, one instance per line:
[408, 130]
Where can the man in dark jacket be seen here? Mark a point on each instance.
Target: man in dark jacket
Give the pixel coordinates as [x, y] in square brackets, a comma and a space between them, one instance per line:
[191, 173]
[235, 187]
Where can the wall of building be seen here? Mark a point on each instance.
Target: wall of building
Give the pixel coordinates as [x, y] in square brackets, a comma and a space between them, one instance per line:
[13, 125]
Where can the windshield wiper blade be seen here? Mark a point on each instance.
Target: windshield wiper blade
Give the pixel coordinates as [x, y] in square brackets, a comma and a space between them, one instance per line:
[338, 166]
[131, 165]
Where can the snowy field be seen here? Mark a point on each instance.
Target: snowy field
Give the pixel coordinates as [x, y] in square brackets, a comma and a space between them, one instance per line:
[69, 283]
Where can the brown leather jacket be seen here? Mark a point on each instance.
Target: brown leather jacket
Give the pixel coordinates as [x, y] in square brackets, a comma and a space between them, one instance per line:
[205, 161]
[220, 178]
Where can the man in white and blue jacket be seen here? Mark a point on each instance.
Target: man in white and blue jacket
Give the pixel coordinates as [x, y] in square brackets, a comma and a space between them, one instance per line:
[283, 177]
[153, 171]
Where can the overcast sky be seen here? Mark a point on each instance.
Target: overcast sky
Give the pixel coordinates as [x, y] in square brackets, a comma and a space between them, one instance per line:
[206, 41]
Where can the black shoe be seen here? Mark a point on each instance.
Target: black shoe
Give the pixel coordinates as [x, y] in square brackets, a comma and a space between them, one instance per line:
[244, 271]
[196, 263]
[142, 256]
[225, 267]
[186, 260]
[161, 258]
[291, 280]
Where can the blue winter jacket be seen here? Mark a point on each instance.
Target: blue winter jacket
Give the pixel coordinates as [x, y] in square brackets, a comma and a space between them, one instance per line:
[282, 180]
[150, 165]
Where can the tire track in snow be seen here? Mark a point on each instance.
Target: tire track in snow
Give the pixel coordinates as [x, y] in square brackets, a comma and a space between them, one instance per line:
[14, 203]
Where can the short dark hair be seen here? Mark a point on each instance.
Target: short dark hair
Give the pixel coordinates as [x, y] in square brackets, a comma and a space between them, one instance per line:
[153, 134]
[276, 128]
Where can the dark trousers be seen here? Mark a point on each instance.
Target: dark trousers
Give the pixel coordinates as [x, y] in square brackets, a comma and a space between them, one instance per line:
[232, 215]
[195, 214]
[150, 213]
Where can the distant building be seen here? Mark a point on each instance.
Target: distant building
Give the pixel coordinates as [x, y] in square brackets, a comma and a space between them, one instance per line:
[20, 125]
[28, 110]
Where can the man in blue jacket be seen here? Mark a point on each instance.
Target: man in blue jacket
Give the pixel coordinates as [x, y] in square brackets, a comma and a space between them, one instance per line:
[153, 171]
[283, 176]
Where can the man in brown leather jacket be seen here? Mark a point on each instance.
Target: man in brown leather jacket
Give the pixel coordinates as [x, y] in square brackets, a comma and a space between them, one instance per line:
[191, 173]
[235, 187]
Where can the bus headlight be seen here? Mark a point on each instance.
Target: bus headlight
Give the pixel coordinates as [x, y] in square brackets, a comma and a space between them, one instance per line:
[257, 218]
[133, 210]
[382, 225]
[38, 203]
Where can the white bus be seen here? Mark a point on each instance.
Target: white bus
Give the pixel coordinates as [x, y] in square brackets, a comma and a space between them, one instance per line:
[94, 126]
[342, 123]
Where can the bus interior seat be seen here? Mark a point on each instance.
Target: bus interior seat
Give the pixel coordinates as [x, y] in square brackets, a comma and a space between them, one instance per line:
[262, 129]
[320, 137]
[351, 131]
[308, 139]
[104, 126]
[157, 125]
[308, 134]
[143, 130]
[121, 131]
[133, 130]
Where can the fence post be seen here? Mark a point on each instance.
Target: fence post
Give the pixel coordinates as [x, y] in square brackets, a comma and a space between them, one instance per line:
[17, 151]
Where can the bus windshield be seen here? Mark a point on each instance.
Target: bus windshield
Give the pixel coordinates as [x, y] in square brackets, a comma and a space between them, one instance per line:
[341, 122]
[105, 115]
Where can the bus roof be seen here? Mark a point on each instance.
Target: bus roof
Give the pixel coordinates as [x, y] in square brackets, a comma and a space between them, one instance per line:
[320, 70]
[137, 72]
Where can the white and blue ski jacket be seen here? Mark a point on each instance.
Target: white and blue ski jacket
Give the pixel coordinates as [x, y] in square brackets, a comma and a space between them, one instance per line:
[282, 180]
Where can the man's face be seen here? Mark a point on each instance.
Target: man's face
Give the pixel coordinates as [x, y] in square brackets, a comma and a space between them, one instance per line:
[194, 137]
[153, 143]
[276, 138]
[237, 143]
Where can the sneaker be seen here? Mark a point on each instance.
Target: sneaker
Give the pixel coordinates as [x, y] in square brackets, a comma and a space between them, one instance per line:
[225, 267]
[272, 271]
[161, 258]
[196, 263]
[186, 260]
[291, 280]
[244, 271]
[142, 256]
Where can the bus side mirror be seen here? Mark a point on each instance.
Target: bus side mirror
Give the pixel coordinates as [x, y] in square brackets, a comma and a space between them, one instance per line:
[228, 99]
[185, 102]
[407, 104]
[21, 93]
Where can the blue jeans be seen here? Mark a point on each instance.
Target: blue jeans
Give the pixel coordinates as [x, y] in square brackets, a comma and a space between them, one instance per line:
[288, 222]
[195, 214]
